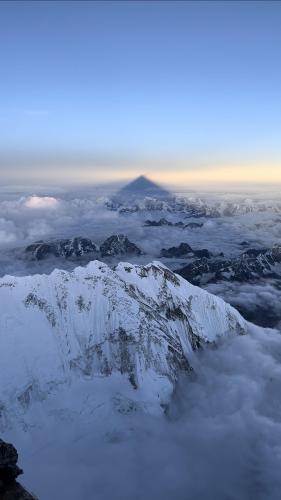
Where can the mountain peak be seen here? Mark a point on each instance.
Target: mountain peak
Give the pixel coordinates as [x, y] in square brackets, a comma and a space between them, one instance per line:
[131, 327]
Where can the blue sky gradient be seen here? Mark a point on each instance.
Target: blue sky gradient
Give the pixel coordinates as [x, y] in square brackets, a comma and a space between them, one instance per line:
[95, 82]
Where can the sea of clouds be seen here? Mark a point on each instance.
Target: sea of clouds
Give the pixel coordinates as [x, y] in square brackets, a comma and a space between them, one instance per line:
[25, 218]
[28, 216]
[221, 437]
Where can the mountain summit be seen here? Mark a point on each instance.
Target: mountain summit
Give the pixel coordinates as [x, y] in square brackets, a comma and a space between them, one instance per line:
[130, 330]
[141, 187]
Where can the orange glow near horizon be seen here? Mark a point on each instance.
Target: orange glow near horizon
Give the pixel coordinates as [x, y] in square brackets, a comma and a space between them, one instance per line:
[258, 174]
[169, 172]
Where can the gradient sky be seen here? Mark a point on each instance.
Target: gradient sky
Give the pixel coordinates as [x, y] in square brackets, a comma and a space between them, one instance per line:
[121, 88]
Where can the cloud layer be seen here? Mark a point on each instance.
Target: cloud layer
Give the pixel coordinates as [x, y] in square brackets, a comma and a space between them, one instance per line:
[221, 438]
[25, 218]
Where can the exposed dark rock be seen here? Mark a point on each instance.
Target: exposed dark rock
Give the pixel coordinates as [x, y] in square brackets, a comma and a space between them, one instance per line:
[202, 253]
[75, 247]
[165, 222]
[128, 210]
[8, 462]
[254, 252]
[184, 249]
[118, 244]
[194, 225]
[10, 489]
[180, 251]
[250, 266]
[14, 491]
[161, 222]
[195, 271]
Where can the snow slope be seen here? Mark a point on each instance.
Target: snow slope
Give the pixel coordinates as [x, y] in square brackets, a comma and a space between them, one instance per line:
[126, 332]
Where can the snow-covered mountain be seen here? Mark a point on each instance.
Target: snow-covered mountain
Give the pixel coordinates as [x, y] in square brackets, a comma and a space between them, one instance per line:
[118, 244]
[152, 201]
[136, 326]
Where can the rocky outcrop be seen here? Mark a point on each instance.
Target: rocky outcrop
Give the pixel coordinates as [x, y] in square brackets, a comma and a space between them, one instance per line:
[165, 222]
[118, 244]
[160, 222]
[250, 266]
[194, 225]
[67, 248]
[10, 489]
[183, 250]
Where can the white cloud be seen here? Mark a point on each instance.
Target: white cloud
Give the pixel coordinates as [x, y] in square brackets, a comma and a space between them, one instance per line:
[41, 202]
[221, 440]
[38, 229]
[7, 232]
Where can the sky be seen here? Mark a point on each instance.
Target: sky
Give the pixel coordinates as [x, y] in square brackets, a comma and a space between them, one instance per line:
[186, 92]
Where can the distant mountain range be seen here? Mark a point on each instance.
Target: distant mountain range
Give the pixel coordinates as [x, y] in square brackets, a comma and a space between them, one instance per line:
[249, 266]
[117, 244]
[165, 222]
[144, 195]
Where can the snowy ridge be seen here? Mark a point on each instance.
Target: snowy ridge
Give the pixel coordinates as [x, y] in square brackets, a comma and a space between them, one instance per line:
[193, 206]
[135, 324]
